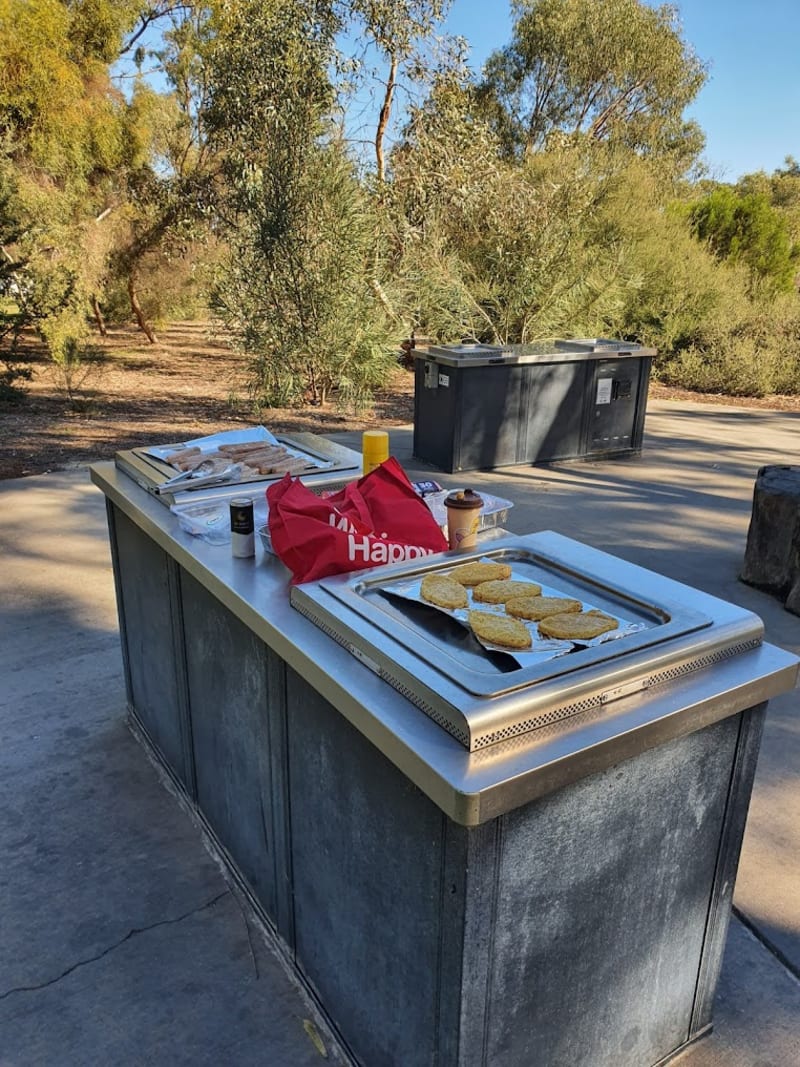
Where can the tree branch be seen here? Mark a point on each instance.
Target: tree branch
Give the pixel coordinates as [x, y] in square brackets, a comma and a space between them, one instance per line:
[383, 119]
[148, 18]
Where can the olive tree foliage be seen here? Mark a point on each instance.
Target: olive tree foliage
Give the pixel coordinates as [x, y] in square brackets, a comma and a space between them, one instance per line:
[299, 291]
[601, 69]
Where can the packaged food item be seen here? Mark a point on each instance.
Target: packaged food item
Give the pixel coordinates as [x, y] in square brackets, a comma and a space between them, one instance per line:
[210, 520]
[425, 488]
[463, 513]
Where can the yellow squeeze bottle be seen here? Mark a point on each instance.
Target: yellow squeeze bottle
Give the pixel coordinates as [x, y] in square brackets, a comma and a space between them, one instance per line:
[374, 449]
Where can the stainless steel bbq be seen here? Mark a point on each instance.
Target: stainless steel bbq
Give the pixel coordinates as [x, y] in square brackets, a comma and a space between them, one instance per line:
[335, 466]
[561, 894]
[483, 697]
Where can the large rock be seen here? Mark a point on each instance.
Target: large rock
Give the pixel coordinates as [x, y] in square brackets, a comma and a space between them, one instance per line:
[772, 556]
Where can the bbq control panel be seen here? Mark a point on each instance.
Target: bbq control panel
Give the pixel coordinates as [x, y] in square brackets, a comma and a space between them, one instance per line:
[614, 409]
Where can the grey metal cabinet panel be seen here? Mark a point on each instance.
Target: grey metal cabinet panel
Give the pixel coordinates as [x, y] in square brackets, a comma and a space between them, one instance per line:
[613, 406]
[600, 925]
[146, 579]
[573, 930]
[467, 419]
[492, 409]
[367, 850]
[553, 422]
[236, 693]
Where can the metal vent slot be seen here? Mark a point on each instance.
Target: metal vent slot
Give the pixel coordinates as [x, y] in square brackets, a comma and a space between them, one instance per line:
[337, 637]
[409, 694]
[555, 715]
[704, 661]
[432, 713]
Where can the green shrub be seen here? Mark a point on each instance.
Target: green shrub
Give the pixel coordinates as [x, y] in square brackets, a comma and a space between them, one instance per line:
[754, 354]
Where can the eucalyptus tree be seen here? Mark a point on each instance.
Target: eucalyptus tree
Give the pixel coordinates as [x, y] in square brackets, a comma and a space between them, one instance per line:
[63, 127]
[14, 315]
[782, 189]
[600, 69]
[396, 28]
[105, 165]
[169, 194]
[503, 249]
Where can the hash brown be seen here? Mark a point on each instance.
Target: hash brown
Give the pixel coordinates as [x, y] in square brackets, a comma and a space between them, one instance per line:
[534, 608]
[498, 592]
[582, 626]
[442, 591]
[500, 630]
[475, 573]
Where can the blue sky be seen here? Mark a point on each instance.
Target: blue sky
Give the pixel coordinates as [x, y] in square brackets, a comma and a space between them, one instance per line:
[750, 106]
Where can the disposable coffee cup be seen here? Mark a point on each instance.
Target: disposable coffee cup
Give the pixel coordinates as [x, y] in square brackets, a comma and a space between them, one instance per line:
[463, 515]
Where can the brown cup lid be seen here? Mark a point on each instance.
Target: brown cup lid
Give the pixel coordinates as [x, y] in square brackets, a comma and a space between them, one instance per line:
[466, 498]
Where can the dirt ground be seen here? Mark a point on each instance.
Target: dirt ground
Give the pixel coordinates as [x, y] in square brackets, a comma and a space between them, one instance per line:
[137, 394]
[188, 384]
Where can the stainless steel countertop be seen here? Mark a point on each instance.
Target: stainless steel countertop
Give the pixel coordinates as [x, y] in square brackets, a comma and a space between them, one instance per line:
[470, 788]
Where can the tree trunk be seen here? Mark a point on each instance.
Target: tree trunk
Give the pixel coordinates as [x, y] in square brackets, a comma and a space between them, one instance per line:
[98, 316]
[772, 556]
[137, 310]
[383, 119]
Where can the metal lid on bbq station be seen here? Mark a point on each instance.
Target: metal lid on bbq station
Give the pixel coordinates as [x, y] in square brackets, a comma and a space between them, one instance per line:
[467, 349]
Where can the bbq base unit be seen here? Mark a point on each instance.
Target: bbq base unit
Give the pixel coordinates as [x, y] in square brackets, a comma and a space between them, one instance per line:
[477, 407]
[561, 897]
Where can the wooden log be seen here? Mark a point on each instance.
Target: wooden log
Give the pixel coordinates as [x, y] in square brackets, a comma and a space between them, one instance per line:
[772, 555]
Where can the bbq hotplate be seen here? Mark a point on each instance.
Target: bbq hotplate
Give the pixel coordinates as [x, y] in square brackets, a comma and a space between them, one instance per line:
[482, 695]
[331, 466]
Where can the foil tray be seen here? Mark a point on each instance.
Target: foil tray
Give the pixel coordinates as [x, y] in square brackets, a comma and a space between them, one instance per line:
[481, 696]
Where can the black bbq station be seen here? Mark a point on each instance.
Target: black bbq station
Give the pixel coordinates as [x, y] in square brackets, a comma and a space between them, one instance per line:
[467, 864]
[483, 406]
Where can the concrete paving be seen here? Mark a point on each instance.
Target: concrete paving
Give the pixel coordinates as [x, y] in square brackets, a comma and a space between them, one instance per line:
[120, 939]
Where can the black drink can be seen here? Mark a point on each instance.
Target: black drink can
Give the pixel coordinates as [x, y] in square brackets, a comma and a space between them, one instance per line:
[243, 538]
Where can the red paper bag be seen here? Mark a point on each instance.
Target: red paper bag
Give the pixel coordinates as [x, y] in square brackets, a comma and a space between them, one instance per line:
[378, 519]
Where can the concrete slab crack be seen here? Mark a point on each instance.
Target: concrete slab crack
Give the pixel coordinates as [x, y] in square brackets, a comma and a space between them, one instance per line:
[249, 936]
[111, 948]
[773, 949]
